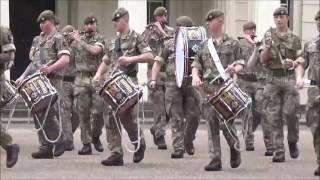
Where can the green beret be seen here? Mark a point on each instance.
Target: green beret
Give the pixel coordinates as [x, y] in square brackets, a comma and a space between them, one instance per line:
[280, 11]
[45, 15]
[160, 11]
[317, 16]
[184, 21]
[90, 19]
[67, 29]
[249, 25]
[214, 13]
[119, 13]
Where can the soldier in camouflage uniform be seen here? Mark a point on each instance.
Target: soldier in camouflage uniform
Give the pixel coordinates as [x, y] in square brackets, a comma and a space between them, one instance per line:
[49, 53]
[230, 55]
[180, 102]
[280, 48]
[155, 34]
[70, 116]
[7, 50]
[124, 53]
[88, 51]
[253, 83]
[311, 54]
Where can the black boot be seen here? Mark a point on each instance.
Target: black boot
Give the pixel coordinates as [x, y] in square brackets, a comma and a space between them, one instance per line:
[278, 157]
[153, 133]
[249, 147]
[293, 149]
[161, 142]
[42, 154]
[139, 155]
[177, 154]
[97, 144]
[317, 171]
[69, 146]
[189, 148]
[235, 158]
[86, 149]
[59, 149]
[214, 165]
[113, 160]
[269, 152]
[12, 155]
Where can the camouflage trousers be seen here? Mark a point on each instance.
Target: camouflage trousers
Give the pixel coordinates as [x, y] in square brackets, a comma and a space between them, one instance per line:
[184, 113]
[255, 91]
[70, 117]
[313, 118]
[129, 121]
[281, 104]
[157, 97]
[5, 138]
[90, 108]
[51, 126]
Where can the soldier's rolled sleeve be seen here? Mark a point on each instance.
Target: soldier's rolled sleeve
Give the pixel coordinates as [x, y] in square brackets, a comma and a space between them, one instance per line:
[99, 44]
[163, 55]
[143, 45]
[62, 47]
[6, 40]
[8, 47]
[299, 48]
[239, 59]
[106, 59]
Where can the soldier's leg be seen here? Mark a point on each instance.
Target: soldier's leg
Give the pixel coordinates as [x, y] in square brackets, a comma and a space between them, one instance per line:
[5, 138]
[290, 107]
[313, 116]
[273, 116]
[174, 105]
[66, 109]
[11, 149]
[157, 97]
[97, 120]
[75, 121]
[213, 138]
[192, 115]
[84, 103]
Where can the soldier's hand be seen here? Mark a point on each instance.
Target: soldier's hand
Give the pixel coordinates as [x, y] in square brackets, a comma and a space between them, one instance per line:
[231, 69]
[196, 81]
[45, 69]
[152, 84]
[124, 60]
[19, 80]
[289, 64]
[268, 42]
[75, 35]
[97, 77]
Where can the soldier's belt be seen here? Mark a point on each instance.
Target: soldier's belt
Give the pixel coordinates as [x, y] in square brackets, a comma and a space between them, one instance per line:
[280, 72]
[248, 77]
[86, 73]
[63, 78]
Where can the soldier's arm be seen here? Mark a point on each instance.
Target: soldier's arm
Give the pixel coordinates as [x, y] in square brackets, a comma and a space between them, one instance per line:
[253, 59]
[7, 46]
[159, 60]
[196, 66]
[106, 61]
[146, 55]
[265, 48]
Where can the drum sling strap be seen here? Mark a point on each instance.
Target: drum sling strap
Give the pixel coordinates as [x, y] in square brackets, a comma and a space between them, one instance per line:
[225, 76]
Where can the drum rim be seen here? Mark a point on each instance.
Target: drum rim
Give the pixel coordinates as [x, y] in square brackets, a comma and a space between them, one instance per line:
[28, 78]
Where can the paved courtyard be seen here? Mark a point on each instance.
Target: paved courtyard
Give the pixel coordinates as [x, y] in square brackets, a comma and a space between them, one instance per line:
[157, 164]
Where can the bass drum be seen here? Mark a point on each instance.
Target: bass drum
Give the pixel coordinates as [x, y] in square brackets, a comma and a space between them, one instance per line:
[188, 40]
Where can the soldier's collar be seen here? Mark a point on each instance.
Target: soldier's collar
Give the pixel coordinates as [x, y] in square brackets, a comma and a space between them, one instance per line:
[50, 34]
[125, 34]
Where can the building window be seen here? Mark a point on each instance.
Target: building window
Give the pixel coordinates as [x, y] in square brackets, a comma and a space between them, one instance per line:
[288, 4]
[151, 6]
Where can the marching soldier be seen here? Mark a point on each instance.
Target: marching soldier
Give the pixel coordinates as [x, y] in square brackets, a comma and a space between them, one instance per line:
[230, 55]
[252, 81]
[6, 58]
[124, 53]
[88, 50]
[311, 55]
[70, 115]
[49, 53]
[155, 34]
[280, 48]
[180, 102]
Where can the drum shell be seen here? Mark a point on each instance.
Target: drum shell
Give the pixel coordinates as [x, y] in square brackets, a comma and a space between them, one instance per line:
[38, 93]
[120, 93]
[229, 100]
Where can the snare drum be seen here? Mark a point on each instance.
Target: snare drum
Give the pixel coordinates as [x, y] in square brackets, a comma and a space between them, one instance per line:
[9, 93]
[228, 100]
[120, 92]
[38, 92]
[188, 40]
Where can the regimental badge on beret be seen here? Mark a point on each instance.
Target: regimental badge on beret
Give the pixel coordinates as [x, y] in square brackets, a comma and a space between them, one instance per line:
[280, 11]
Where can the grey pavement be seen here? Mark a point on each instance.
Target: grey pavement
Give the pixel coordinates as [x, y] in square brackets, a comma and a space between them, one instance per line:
[157, 164]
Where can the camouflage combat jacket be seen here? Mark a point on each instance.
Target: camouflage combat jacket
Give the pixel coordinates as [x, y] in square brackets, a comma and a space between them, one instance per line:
[47, 49]
[311, 53]
[6, 42]
[288, 45]
[131, 44]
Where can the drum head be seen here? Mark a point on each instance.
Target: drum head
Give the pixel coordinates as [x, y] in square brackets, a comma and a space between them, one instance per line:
[180, 57]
